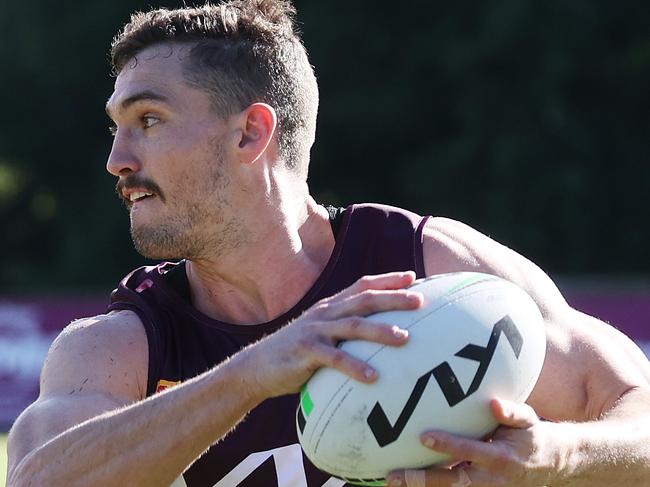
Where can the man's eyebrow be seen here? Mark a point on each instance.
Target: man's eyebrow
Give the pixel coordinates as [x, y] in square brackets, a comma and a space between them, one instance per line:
[136, 97]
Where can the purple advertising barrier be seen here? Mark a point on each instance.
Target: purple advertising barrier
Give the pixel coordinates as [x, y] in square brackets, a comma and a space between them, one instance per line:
[28, 327]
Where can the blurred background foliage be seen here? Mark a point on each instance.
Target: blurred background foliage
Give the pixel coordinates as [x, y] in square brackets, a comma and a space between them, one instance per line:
[528, 120]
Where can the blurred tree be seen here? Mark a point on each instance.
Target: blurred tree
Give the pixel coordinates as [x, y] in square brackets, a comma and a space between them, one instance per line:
[527, 120]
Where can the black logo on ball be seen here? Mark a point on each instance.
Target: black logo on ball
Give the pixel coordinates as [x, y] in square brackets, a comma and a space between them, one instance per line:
[385, 433]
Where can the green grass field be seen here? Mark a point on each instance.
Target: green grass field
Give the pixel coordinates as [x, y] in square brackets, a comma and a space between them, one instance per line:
[3, 459]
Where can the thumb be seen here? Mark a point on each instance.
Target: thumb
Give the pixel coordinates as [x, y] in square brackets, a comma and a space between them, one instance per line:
[513, 414]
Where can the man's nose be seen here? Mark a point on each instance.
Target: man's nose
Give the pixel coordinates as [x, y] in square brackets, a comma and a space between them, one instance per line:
[122, 160]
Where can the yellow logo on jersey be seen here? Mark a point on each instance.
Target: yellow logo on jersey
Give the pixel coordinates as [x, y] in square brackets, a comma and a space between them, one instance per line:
[165, 384]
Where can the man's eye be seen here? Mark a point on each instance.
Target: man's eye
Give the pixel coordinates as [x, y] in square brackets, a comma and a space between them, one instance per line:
[149, 121]
[112, 129]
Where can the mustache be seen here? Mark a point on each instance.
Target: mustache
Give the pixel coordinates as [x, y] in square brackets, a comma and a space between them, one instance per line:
[139, 182]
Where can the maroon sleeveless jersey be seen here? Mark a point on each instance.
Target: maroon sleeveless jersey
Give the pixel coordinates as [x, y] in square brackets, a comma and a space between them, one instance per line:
[263, 450]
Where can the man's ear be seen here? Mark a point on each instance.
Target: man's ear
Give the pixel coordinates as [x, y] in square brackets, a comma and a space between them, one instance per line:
[257, 125]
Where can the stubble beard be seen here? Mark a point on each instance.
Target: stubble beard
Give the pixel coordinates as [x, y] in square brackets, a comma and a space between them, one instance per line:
[184, 236]
[198, 229]
[159, 242]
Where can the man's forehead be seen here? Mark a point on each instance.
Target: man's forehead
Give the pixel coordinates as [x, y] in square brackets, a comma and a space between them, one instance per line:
[155, 64]
[161, 54]
[156, 72]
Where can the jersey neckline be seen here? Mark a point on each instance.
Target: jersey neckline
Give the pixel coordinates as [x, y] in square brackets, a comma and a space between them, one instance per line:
[176, 300]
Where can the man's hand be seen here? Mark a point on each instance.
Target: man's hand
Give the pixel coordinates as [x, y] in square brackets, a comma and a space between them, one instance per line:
[282, 362]
[518, 454]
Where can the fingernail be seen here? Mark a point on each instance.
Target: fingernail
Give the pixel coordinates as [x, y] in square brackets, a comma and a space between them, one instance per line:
[507, 411]
[428, 442]
[369, 373]
[413, 296]
[400, 332]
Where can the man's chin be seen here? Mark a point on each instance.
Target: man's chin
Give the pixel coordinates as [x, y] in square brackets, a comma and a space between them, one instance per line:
[148, 254]
[154, 254]
[159, 248]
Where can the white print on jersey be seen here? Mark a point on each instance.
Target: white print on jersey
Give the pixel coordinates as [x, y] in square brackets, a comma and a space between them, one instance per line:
[288, 467]
[179, 482]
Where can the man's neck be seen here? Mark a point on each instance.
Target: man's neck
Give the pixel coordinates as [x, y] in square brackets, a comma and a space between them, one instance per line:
[261, 280]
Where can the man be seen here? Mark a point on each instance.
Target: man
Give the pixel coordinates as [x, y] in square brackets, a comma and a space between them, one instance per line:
[215, 112]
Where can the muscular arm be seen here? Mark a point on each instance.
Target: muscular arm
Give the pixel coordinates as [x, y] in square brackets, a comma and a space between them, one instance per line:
[92, 426]
[595, 382]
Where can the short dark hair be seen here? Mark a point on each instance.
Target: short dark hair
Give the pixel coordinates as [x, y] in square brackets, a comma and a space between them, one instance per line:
[243, 51]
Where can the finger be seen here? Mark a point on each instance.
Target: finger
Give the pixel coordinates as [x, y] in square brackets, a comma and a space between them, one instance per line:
[390, 280]
[513, 414]
[379, 282]
[415, 478]
[375, 301]
[435, 477]
[342, 361]
[459, 448]
[358, 328]
[354, 329]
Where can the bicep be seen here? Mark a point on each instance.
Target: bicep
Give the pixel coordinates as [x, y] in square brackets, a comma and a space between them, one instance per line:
[588, 364]
[94, 366]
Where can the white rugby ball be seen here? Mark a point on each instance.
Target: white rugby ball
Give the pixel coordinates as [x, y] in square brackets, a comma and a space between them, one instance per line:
[475, 338]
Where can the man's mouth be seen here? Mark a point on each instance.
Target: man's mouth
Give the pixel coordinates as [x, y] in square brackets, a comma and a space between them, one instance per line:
[134, 190]
[139, 196]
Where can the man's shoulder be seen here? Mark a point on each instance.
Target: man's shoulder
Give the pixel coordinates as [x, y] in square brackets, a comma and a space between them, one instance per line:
[91, 347]
[452, 246]
[114, 326]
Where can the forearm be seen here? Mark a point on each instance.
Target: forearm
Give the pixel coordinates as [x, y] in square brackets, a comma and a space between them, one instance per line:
[148, 443]
[612, 451]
